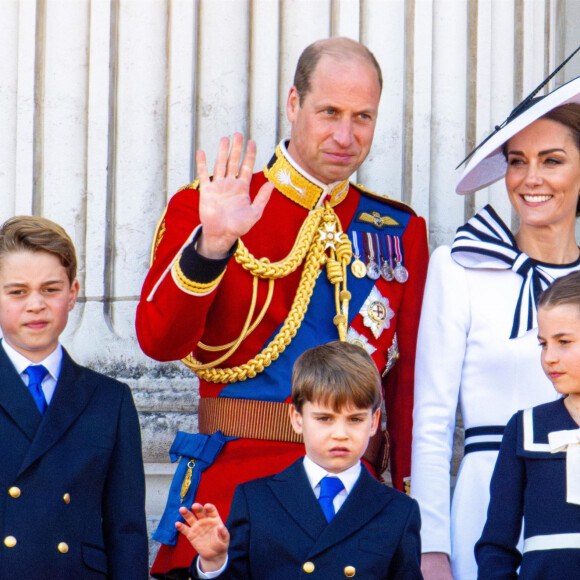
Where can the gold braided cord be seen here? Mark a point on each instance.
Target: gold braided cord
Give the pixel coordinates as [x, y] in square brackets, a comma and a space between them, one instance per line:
[263, 268]
[199, 367]
[315, 257]
[256, 322]
[279, 343]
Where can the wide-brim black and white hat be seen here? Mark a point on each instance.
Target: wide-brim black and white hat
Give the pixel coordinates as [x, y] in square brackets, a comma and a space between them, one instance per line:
[488, 163]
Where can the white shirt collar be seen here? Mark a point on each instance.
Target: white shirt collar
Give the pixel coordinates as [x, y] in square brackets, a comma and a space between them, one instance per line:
[52, 362]
[315, 473]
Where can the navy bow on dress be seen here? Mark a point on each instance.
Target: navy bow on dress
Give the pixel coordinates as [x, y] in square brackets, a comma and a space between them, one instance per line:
[486, 242]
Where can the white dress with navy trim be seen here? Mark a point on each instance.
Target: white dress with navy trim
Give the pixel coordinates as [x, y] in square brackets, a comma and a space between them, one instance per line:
[465, 355]
[530, 482]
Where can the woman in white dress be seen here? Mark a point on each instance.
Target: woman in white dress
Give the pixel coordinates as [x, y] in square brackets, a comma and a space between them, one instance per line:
[477, 343]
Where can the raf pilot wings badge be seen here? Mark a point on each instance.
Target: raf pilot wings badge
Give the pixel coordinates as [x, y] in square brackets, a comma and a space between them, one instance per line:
[379, 221]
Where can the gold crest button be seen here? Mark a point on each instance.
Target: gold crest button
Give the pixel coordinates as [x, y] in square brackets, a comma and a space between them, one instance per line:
[14, 492]
[10, 541]
[308, 567]
[63, 547]
[349, 571]
[66, 498]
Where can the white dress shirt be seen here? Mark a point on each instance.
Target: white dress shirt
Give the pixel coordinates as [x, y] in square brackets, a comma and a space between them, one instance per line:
[52, 363]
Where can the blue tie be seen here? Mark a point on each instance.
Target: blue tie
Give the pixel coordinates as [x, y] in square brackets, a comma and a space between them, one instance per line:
[329, 488]
[36, 374]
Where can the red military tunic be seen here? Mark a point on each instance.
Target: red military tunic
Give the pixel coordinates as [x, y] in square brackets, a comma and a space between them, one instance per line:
[176, 314]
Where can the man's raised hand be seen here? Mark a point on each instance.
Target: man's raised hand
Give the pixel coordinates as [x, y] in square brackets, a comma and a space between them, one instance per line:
[225, 208]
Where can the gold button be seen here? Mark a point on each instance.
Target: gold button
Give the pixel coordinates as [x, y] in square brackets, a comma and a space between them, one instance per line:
[10, 541]
[308, 567]
[66, 498]
[63, 547]
[14, 492]
[349, 571]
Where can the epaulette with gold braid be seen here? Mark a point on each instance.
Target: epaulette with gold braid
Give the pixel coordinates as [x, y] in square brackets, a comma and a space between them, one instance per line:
[160, 228]
[157, 236]
[193, 185]
[384, 198]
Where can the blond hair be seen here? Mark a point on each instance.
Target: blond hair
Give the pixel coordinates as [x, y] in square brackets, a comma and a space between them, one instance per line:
[37, 234]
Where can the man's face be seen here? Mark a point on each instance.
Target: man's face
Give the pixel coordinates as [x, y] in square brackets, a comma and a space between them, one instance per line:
[332, 131]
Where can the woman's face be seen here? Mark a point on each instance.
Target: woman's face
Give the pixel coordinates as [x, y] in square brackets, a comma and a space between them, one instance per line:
[543, 174]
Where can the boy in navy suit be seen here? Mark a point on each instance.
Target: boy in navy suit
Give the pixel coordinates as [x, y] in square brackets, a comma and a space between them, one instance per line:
[277, 529]
[71, 475]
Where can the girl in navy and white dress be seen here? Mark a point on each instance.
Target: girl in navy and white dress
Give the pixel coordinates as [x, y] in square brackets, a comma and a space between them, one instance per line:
[537, 475]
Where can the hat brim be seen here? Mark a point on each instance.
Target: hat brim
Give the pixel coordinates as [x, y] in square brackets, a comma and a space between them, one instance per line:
[488, 164]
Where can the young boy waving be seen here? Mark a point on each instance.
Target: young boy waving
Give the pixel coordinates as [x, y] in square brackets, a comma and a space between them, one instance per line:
[325, 515]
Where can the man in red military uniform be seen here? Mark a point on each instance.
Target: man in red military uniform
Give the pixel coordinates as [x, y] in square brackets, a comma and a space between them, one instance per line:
[248, 271]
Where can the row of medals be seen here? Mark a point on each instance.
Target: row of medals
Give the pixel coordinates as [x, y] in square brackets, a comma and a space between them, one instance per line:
[373, 271]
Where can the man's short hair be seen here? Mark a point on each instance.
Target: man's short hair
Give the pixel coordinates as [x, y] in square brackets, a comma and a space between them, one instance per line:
[37, 234]
[337, 374]
[340, 48]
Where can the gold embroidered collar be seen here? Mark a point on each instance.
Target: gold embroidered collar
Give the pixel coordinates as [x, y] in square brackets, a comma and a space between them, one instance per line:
[303, 189]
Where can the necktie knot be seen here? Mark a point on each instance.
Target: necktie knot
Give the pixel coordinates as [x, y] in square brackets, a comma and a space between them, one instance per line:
[36, 374]
[330, 487]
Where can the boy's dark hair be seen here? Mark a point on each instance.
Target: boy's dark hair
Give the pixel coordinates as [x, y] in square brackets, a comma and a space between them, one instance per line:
[337, 374]
[564, 290]
[37, 234]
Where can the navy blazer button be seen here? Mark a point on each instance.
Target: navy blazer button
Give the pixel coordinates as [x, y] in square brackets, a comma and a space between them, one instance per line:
[14, 492]
[63, 547]
[308, 567]
[10, 541]
[66, 498]
[349, 571]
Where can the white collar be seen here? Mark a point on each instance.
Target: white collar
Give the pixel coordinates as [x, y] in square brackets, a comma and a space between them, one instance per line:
[315, 473]
[52, 362]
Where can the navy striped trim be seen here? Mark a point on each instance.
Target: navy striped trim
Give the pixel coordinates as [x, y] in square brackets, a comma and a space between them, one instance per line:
[484, 438]
[485, 430]
[473, 447]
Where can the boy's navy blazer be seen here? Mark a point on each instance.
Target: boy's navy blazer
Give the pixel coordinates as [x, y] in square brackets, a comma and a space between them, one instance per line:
[279, 531]
[71, 482]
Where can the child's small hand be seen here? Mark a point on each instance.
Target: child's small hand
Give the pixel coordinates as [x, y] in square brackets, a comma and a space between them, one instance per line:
[207, 534]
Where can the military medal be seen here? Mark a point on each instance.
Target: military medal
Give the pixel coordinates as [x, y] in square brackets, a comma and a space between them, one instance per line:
[358, 268]
[373, 270]
[387, 269]
[401, 273]
[329, 235]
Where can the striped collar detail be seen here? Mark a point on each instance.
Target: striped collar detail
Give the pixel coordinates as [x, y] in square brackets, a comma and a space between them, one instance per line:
[485, 242]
